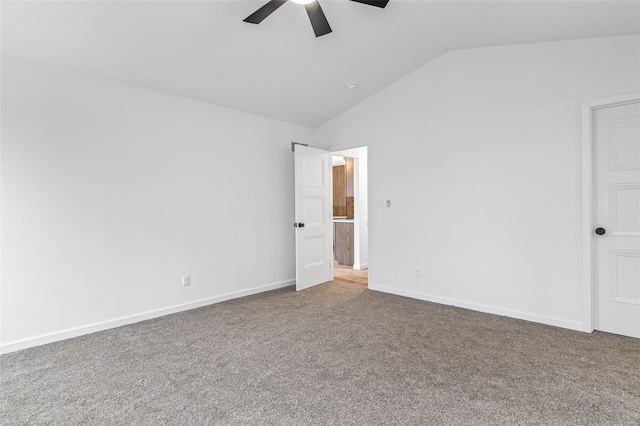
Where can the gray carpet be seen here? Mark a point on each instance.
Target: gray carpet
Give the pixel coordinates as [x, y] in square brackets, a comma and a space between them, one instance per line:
[333, 354]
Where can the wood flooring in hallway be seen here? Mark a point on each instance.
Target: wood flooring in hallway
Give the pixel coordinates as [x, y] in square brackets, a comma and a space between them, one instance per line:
[347, 273]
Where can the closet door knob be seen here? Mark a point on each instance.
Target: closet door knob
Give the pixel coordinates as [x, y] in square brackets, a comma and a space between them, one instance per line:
[600, 231]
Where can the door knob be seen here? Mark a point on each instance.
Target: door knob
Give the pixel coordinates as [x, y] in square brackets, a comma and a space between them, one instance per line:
[600, 231]
[299, 225]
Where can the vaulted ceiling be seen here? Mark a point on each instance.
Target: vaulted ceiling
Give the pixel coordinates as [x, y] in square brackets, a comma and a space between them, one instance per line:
[279, 69]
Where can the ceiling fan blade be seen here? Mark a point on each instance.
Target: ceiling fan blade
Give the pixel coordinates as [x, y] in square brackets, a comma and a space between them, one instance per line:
[266, 10]
[376, 3]
[318, 20]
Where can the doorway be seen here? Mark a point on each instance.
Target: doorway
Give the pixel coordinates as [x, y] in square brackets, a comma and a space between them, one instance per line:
[315, 223]
[350, 215]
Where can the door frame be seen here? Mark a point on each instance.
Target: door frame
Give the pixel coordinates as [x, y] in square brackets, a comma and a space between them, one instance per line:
[362, 144]
[588, 284]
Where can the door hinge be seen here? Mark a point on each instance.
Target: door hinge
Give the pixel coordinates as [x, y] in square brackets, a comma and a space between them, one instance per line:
[293, 146]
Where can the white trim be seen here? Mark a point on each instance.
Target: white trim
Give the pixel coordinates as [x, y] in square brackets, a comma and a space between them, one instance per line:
[587, 198]
[69, 333]
[557, 322]
[361, 266]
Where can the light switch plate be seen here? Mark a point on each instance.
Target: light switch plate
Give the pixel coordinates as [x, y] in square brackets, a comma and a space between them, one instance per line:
[384, 204]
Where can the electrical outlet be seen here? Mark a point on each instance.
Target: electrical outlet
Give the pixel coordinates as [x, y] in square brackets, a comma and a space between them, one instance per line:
[186, 280]
[418, 273]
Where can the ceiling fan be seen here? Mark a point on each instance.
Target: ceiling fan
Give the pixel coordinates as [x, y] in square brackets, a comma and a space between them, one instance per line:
[316, 15]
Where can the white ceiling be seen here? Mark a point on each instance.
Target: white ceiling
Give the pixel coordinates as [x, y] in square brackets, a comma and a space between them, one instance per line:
[203, 50]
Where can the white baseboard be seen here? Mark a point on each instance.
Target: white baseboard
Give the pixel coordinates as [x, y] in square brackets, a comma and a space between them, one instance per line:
[572, 325]
[42, 339]
[360, 266]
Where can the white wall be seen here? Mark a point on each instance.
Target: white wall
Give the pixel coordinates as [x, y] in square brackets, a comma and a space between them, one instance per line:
[110, 193]
[361, 216]
[479, 152]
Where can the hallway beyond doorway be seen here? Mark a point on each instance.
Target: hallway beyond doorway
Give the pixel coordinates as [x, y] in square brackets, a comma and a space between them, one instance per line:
[346, 273]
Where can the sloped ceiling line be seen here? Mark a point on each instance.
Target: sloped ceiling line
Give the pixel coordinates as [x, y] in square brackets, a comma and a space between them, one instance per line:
[279, 69]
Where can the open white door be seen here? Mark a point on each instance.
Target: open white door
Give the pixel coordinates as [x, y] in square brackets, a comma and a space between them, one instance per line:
[313, 217]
